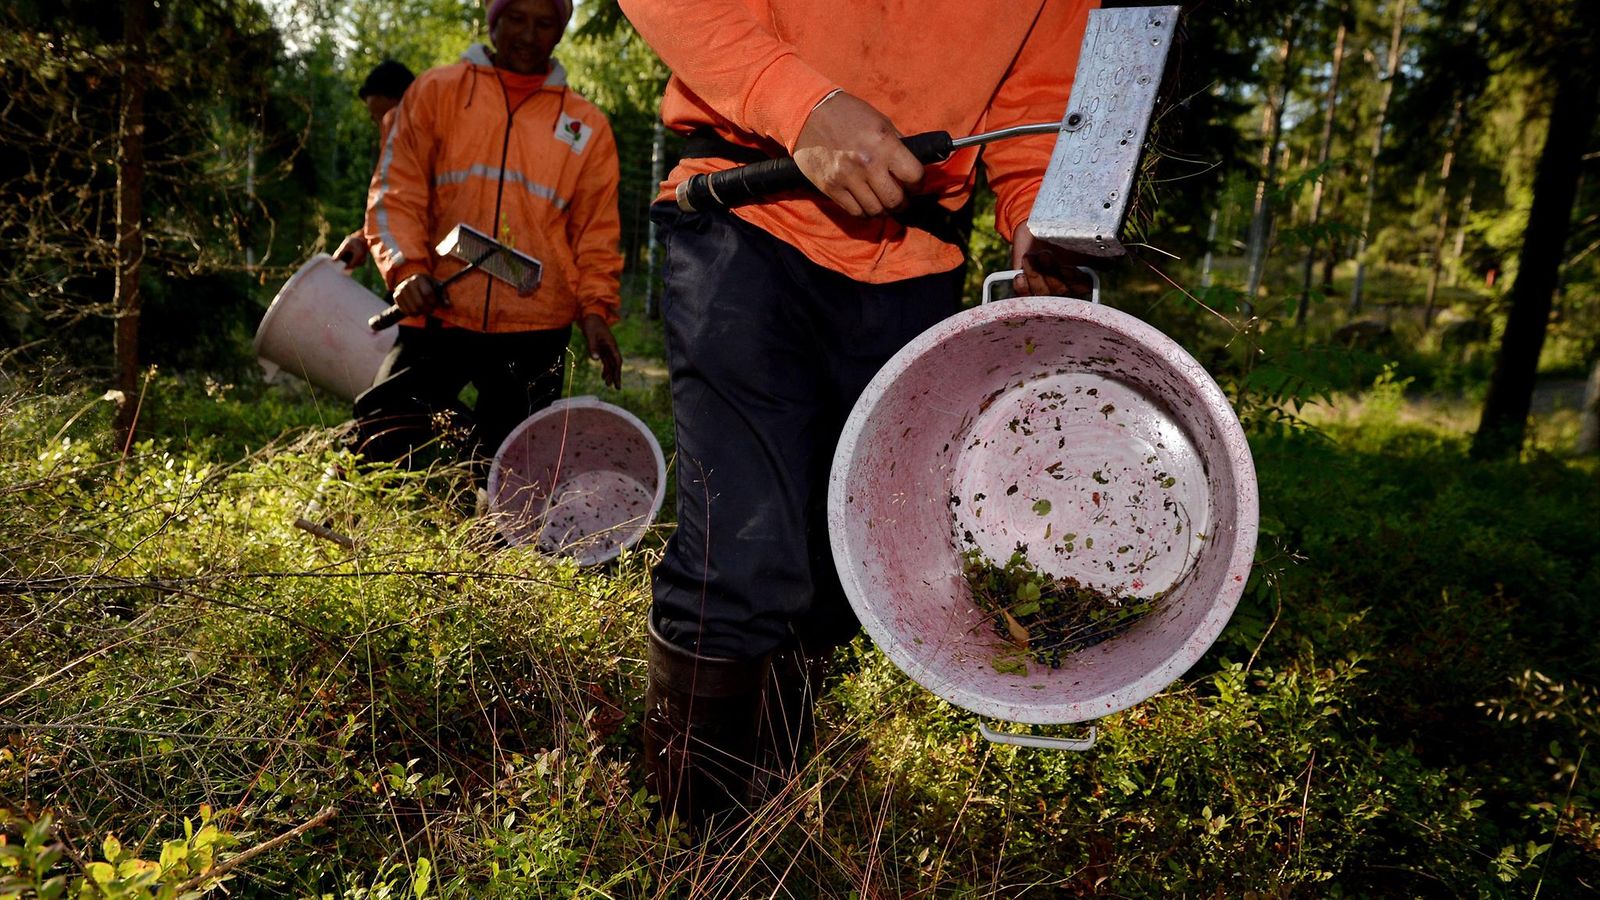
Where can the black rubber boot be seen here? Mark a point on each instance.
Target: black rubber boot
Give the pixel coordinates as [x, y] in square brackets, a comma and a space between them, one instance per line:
[789, 716]
[703, 715]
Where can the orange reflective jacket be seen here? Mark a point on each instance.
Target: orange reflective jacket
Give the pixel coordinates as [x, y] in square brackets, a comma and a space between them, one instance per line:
[754, 69]
[458, 154]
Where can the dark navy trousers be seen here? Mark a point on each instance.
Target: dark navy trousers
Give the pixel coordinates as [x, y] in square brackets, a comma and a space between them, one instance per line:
[768, 353]
[412, 414]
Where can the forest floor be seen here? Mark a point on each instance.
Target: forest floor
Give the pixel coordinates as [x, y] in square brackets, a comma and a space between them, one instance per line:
[1553, 423]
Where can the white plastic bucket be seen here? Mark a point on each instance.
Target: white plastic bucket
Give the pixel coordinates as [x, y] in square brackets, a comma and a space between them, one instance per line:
[580, 478]
[1029, 421]
[316, 328]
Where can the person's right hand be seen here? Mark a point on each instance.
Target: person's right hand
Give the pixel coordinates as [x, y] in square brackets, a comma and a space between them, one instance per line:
[853, 154]
[417, 295]
[353, 251]
[1051, 271]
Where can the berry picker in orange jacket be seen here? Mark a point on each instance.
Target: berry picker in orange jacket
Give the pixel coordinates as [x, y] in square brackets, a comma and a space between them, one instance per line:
[777, 314]
[499, 142]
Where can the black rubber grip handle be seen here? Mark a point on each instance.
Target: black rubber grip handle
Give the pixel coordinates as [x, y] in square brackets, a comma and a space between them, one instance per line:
[747, 184]
[930, 146]
[386, 319]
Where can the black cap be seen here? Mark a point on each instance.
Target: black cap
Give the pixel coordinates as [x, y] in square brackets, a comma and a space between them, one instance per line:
[387, 79]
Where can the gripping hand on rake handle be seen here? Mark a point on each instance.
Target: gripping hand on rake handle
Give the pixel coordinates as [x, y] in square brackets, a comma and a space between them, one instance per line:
[415, 296]
[847, 149]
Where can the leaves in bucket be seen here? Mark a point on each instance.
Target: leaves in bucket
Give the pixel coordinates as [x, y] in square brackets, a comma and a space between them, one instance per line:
[1042, 617]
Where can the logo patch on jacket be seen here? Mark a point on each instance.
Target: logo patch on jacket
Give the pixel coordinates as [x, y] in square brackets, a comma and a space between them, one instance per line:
[573, 133]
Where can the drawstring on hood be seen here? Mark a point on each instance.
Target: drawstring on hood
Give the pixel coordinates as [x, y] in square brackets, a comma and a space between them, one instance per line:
[479, 54]
[478, 58]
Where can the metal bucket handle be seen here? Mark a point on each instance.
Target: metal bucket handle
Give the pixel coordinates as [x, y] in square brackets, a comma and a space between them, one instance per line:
[1008, 274]
[1029, 740]
[1038, 741]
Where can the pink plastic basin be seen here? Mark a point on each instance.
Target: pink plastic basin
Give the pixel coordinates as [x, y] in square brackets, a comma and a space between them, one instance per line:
[316, 328]
[580, 478]
[1072, 428]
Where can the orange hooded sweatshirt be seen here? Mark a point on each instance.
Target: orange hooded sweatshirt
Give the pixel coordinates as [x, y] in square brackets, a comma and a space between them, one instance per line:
[457, 152]
[753, 70]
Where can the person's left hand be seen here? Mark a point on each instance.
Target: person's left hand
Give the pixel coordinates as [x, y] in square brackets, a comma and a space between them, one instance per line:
[1048, 270]
[603, 347]
[353, 251]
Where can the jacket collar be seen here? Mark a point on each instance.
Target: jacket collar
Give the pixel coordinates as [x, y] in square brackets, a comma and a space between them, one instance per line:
[478, 55]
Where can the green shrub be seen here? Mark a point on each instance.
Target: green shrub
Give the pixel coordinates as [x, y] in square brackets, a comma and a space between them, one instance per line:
[1401, 705]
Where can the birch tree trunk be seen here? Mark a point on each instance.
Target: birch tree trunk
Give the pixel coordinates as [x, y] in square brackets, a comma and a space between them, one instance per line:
[1261, 212]
[1330, 257]
[652, 294]
[1453, 271]
[130, 212]
[1589, 421]
[1369, 178]
[1436, 259]
[1332, 104]
[1211, 244]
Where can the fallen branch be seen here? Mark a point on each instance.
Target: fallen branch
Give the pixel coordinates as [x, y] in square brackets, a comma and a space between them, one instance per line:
[233, 862]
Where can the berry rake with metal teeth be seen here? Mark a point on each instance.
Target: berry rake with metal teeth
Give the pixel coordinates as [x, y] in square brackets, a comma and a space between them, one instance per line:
[482, 254]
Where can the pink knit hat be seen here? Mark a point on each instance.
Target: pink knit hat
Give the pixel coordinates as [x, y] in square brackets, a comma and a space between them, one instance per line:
[496, 6]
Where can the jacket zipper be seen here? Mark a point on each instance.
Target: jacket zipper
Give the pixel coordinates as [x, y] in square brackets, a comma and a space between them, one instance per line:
[499, 191]
[500, 185]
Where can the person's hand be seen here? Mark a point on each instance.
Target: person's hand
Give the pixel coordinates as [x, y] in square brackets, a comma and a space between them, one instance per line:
[853, 154]
[353, 251]
[1048, 270]
[603, 347]
[417, 295]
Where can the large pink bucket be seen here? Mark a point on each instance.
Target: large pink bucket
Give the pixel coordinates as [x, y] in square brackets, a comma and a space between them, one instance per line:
[316, 328]
[580, 478]
[1072, 428]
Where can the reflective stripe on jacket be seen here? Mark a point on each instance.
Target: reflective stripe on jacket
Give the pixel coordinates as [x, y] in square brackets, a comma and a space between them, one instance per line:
[753, 70]
[457, 153]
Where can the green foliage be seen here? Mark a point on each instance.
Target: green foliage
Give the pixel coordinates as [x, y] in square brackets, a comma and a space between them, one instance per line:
[1385, 399]
[182, 870]
[211, 678]
[1399, 706]
[1237, 781]
[207, 67]
[1403, 703]
[1037, 616]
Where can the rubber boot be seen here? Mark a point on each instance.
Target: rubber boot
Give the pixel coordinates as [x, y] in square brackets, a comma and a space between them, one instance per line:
[788, 716]
[703, 716]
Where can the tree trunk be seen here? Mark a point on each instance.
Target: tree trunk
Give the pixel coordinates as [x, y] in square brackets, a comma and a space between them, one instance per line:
[1453, 272]
[247, 226]
[1436, 258]
[1326, 144]
[1505, 409]
[652, 294]
[1589, 422]
[1211, 244]
[1330, 259]
[130, 212]
[1369, 179]
[1261, 213]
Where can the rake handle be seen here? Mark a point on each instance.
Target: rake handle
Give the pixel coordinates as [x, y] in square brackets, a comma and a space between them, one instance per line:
[389, 318]
[746, 184]
[393, 314]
